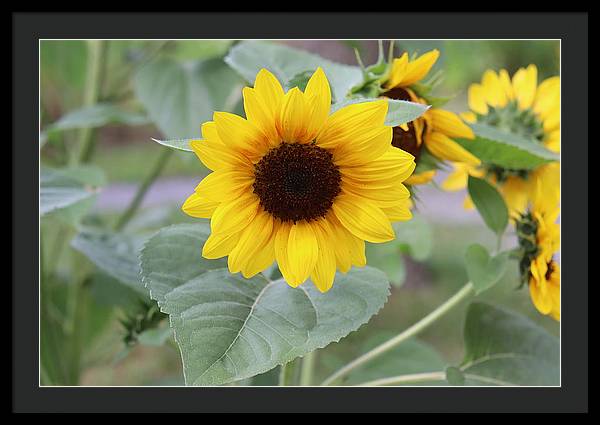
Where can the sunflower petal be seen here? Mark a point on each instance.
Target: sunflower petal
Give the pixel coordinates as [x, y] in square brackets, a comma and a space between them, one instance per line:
[303, 250]
[318, 97]
[234, 216]
[363, 218]
[450, 124]
[293, 117]
[524, 86]
[217, 246]
[251, 240]
[199, 207]
[443, 147]
[323, 273]
[225, 185]
[476, 98]
[419, 68]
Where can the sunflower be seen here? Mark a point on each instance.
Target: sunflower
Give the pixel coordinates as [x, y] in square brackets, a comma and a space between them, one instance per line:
[435, 129]
[539, 239]
[517, 106]
[293, 184]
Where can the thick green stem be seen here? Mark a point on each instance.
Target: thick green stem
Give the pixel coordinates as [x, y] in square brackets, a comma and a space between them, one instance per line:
[406, 379]
[141, 192]
[463, 293]
[287, 373]
[308, 368]
[90, 96]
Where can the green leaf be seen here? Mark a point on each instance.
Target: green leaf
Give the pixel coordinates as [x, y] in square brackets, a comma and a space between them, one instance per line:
[489, 203]
[399, 111]
[387, 257]
[414, 237]
[484, 271]
[59, 189]
[179, 144]
[249, 57]
[155, 337]
[180, 97]
[116, 254]
[505, 348]
[507, 150]
[97, 116]
[230, 328]
[454, 376]
[410, 357]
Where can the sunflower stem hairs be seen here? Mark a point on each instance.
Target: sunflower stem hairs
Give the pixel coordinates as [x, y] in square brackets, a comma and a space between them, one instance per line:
[521, 107]
[293, 184]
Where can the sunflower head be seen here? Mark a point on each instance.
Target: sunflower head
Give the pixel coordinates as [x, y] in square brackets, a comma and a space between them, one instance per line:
[430, 137]
[295, 184]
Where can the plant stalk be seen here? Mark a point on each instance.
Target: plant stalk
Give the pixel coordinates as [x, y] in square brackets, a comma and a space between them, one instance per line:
[287, 373]
[141, 192]
[406, 379]
[90, 96]
[308, 368]
[463, 293]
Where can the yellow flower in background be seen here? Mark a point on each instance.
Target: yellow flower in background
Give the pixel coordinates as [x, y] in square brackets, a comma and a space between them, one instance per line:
[436, 128]
[539, 239]
[296, 185]
[517, 106]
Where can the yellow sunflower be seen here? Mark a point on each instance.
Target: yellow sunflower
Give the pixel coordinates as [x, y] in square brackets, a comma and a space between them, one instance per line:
[539, 239]
[293, 184]
[518, 106]
[436, 128]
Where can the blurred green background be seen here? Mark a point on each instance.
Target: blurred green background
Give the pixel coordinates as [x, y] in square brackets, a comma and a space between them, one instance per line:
[125, 152]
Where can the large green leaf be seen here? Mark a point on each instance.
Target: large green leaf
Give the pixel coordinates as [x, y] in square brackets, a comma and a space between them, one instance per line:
[230, 328]
[97, 116]
[180, 97]
[507, 150]
[489, 203]
[249, 57]
[60, 189]
[505, 348]
[483, 270]
[399, 111]
[116, 254]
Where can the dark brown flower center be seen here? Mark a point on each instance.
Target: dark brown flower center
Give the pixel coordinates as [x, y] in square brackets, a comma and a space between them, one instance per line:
[297, 181]
[405, 140]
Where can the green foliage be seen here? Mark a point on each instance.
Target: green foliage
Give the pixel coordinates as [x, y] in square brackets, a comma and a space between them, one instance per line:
[388, 258]
[97, 115]
[489, 203]
[414, 237]
[180, 97]
[62, 188]
[504, 348]
[229, 328]
[249, 57]
[484, 271]
[506, 150]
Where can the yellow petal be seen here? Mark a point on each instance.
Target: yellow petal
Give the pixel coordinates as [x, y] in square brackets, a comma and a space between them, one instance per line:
[420, 178]
[251, 240]
[215, 155]
[450, 124]
[225, 185]
[552, 141]
[240, 134]
[506, 84]
[217, 246]
[197, 206]
[399, 212]
[547, 96]
[303, 251]
[493, 89]
[515, 192]
[349, 250]
[345, 125]
[323, 273]
[399, 66]
[476, 98]
[363, 218]
[234, 216]
[318, 97]
[552, 119]
[524, 86]
[394, 166]
[292, 123]
[386, 195]
[282, 237]
[260, 115]
[364, 147]
[445, 148]
[469, 117]
[468, 203]
[457, 180]
[269, 90]
[419, 68]
[263, 258]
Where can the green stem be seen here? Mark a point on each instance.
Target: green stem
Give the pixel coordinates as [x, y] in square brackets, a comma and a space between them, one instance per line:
[308, 368]
[406, 379]
[463, 293]
[141, 192]
[287, 373]
[90, 96]
[78, 318]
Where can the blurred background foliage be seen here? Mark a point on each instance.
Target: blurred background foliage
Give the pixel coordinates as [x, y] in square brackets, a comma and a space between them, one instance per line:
[109, 354]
